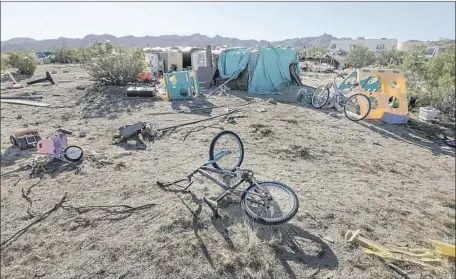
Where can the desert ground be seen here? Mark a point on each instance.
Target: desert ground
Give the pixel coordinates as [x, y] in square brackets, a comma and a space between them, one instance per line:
[394, 183]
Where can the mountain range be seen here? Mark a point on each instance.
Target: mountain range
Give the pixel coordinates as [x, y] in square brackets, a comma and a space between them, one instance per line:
[196, 40]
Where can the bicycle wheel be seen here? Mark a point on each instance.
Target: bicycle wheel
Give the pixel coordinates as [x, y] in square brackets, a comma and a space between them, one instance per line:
[320, 97]
[357, 107]
[72, 153]
[271, 203]
[227, 141]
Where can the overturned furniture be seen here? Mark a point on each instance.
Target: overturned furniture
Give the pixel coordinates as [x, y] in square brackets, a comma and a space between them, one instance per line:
[386, 90]
[47, 78]
[181, 85]
[139, 132]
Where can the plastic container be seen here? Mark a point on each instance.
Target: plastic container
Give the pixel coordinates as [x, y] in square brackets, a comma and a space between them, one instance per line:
[428, 113]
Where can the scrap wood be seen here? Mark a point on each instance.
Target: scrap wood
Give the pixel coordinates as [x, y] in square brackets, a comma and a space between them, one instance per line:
[198, 121]
[25, 102]
[391, 253]
[22, 98]
[39, 219]
[12, 78]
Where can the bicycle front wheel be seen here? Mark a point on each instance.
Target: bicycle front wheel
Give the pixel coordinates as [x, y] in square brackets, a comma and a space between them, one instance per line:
[357, 107]
[227, 141]
[270, 203]
[320, 97]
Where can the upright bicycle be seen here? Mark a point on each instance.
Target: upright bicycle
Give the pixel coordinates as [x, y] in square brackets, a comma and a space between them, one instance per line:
[356, 106]
[268, 203]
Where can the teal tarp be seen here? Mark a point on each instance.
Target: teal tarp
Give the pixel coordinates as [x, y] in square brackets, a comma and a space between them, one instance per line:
[268, 67]
[233, 61]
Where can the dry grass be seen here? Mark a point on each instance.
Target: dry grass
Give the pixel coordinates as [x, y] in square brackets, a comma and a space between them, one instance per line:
[394, 183]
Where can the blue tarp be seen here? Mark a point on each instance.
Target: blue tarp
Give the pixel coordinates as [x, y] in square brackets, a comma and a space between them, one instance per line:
[268, 67]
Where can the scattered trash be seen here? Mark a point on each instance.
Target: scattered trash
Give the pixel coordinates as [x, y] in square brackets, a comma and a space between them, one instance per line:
[428, 113]
[449, 142]
[144, 77]
[333, 114]
[261, 110]
[391, 253]
[24, 102]
[139, 132]
[47, 78]
[141, 92]
[25, 139]
[10, 85]
[444, 248]
[57, 146]
[80, 87]
[271, 101]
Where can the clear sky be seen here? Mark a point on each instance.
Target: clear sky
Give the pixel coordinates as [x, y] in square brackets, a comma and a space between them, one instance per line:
[253, 20]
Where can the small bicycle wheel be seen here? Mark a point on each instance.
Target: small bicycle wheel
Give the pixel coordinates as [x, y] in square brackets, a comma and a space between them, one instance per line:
[270, 203]
[72, 153]
[320, 97]
[227, 141]
[357, 107]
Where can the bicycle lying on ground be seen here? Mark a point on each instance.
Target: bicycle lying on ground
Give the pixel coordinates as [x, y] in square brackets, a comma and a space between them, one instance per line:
[260, 201]
[356, 106]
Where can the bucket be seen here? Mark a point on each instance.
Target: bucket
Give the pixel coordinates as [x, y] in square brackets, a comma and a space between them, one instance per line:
[428, 113]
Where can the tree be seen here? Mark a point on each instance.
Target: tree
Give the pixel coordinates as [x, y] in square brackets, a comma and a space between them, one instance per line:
[432, 81]
[390, 58]
[360, 57]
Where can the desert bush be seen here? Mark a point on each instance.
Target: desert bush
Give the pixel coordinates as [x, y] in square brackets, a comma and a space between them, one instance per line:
[432, 81]
[390, 58]
[65, 55]
[360, 57]
[114, 65]
[4, 63]
[24, 63]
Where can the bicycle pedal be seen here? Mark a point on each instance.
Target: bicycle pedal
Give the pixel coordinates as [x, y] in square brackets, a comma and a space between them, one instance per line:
[213, 205]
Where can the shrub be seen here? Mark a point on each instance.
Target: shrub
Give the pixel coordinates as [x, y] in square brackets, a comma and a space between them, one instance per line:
[65, 55]
[432, 80]
[24, 63]
[390, 58]
[114, 65]
[360, 57]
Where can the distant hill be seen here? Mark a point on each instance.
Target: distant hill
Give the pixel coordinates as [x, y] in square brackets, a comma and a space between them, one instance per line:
[197, 40]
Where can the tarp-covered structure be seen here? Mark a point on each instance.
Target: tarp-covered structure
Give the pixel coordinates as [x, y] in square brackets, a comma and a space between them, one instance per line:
[268, 68]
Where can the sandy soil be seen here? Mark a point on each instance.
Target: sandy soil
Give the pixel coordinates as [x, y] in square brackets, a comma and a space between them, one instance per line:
[395, 183]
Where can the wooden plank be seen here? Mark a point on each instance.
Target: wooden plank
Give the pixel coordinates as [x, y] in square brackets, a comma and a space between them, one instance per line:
[12, 78]
[25, 102]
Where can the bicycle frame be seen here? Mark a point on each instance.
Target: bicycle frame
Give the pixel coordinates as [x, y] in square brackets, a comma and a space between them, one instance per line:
[206, 171]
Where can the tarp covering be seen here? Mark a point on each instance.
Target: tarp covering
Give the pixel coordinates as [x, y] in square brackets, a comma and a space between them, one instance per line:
[233, 61]
[268, 67]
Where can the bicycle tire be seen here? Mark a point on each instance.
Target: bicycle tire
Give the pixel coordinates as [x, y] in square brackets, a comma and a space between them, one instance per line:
[66, 157]
[212, 147]
[362, 96]
[271, 221]
[326, 95]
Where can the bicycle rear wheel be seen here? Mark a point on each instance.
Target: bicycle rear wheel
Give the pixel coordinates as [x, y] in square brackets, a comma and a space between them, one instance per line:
[227, 141]
[320, 97]
[270, 203]
[357, 107]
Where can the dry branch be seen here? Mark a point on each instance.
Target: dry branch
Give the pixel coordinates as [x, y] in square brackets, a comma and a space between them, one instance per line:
[39, 219]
